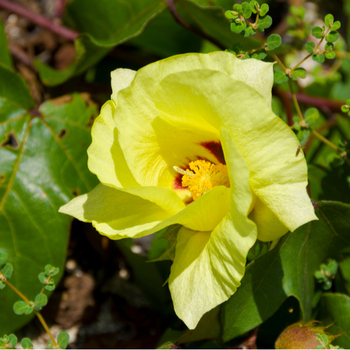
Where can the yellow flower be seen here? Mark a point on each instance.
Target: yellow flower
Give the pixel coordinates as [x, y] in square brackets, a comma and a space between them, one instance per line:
[192, 140]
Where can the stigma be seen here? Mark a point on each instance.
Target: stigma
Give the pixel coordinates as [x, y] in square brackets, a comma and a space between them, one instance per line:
[201, 176]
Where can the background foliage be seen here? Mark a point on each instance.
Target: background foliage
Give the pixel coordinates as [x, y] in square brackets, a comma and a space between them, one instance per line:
[49, 97]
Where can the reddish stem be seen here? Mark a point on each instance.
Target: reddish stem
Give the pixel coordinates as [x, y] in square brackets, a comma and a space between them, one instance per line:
[322, 103]
[39, 20]
[287, 104]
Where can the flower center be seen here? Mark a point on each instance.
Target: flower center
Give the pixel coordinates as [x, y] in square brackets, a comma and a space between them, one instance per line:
[202, 176]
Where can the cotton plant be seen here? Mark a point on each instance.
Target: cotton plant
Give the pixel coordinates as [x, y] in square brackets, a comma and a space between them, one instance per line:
[192, 140]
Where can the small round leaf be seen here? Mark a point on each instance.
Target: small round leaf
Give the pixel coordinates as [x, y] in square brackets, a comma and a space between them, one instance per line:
[311, 115]
[63, 339]
[42, 277]
[50, 287]
[20, 307]
[2, 285]
[230, 15]
[254, 5]
[264, 23]
[279, 76]
[329, 19]
[247, 11]
[299, 73]
[238, 27]
[317, 32]
[40, 301]
[345, 108]
[336, 25]
[27, 343]
[12, 339]
[318, 58]
[332, 37]
[3, 258]
[7, 270]
[310, 47]
[273, 41]
[264, 9]
[330, 55]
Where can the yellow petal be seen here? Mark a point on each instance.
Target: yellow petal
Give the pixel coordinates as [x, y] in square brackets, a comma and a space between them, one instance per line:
[106, 158]
[120, 213]
[269, 227]
[208, 266]
[277, 176]
[151, 145]
[121, 79]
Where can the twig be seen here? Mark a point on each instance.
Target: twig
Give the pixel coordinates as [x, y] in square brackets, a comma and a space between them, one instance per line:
[181, 21]
[39, 20]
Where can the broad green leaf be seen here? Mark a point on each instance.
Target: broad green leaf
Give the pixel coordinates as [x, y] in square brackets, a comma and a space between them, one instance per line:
[27, 343]
[335, 308]
[103, 24]
[40, 301]
[5, 56]
[63, 339]
[317, 32]
[209, 327]
[43, 166]
[310, 47]
[164, 37]
[279, 76]
[7, 270]
[273, 41]
[328, 20]
[287, 270]
[3, 258]
[332, 37]
[211, 21]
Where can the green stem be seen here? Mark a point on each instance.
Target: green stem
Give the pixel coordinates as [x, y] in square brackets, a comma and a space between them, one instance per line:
[295, 101]
[328, 143]
[41, 319]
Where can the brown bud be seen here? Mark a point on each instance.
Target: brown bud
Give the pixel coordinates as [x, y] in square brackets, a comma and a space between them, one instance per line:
[302, 335]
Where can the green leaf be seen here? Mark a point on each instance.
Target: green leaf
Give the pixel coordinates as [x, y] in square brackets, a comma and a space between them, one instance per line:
[3, 258]
[51, 270]
[299, 73]
[330, 55]
[279, 76]
[311, 115]
[247, 11]
[317, 32]
[303, 135]
[211, 21]
[273, 41]
[328, 20]
[103, 24]
[7, 270]
[318, 58]
[40, 301]
[254, 5]
[237, 8]
[238, 27]
[238, 48]
[287, 270]
[259, 56]
[336, 25]
[264, 9]
[310, 47]
[54, 138]
[5, 56]
[42, 277]
[345, 108]
[2, 285]
[335, 308]
[12, 339]
[63, 339]
[264, 23]
[50, 287]
[249, 31]
[230, 15]
[27, 343]
[20, 307]
[332, 37]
